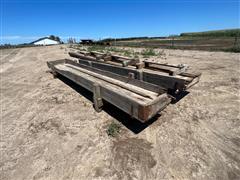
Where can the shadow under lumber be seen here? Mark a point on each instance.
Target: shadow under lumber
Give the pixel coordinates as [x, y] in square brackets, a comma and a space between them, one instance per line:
[132, 124]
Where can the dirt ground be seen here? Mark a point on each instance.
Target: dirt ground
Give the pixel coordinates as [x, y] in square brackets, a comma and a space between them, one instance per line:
[49, 129]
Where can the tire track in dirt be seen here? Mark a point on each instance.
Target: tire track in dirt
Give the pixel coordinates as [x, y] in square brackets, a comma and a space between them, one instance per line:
[8, 57]
[8, 61]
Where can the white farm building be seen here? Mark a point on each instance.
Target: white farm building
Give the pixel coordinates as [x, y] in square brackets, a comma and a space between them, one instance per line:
[45, 41]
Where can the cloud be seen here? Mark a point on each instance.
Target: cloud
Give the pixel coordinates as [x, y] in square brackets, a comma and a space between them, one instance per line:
[67, 37]
[10, 37]
[16, 37]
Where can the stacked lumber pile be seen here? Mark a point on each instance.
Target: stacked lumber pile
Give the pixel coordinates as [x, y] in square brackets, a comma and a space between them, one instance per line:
[124, 61]
[108, 58]
[139, 88]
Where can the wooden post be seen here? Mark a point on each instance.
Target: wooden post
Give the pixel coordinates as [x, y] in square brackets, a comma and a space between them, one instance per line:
[55, 74]
[140, 75]
[140, 65]
[97, 99]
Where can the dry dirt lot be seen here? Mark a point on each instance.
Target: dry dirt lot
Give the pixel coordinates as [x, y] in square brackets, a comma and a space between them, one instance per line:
[49, 130]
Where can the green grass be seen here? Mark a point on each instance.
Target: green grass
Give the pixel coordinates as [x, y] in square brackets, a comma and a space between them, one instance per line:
[233, 49]
[111, 49]
[96, 48]
[148, 53]
[113, 129]
[217, 33]
[122, 51]
[127, 53]
[114, 49]
[107, 49]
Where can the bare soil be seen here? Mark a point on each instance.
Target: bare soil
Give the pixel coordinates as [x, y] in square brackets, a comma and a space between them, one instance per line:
[49, 129]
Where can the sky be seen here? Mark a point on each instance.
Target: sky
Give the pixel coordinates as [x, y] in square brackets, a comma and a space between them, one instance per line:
[27, 20]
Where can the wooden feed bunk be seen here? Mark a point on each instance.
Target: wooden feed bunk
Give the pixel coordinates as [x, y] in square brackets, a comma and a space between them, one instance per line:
[140, 89]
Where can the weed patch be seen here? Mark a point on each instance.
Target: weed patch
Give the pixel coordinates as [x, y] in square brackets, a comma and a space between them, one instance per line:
[113, 129]
[234, 49]
[148, 53]
[96, 48]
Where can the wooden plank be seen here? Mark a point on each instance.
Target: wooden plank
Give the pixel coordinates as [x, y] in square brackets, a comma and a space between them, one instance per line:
[168, 82]
[85, 53]
[153, 77]
[179, 80]
[78, 55]
[126, 61]
[97, 98]
[95, 53]
[121, 84]
[126, 103]
[171, 69]
[153, 107]
[108, 58]
[163, 64]
[111, 68]
[129, 81]
[131, 94]
[122, 57]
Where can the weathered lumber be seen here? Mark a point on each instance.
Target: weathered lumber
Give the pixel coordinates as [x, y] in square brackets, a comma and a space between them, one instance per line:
[172, 77]
[121, 57]
[126, 61]
[171, 69]
[95, 53]
[97, 98]
[114, 90]
[78, 55]
[140, 65]
[162, 79]
[118, 83]
[100, 57]
[129, 78]
[166, 64]
[86, 53]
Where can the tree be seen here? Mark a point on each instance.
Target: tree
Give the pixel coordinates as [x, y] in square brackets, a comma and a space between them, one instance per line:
[55, 38]
[71, 40]
[52, 37]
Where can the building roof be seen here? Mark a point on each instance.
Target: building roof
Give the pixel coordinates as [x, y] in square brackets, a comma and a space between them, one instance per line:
[86, 40]
[42, 39]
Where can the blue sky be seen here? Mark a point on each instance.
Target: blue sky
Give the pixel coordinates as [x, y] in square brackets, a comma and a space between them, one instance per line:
[26, 20]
